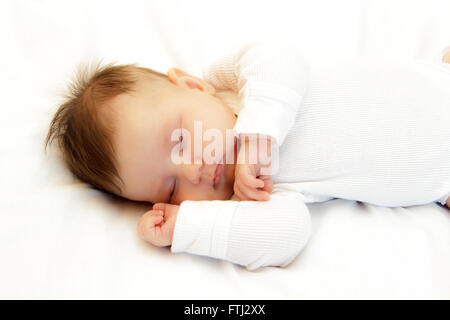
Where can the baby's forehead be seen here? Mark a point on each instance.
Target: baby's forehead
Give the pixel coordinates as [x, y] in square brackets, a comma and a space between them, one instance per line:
[134, 101]
[135, 117]
[142, 110]
[147, 93]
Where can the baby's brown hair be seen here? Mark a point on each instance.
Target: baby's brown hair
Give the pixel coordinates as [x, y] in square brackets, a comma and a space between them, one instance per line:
[82, 130]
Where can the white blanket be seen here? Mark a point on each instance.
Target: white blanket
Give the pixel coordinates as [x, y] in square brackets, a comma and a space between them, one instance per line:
[61, 239]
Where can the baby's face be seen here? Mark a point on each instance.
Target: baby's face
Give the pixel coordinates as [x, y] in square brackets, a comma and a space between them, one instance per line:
[143, 145]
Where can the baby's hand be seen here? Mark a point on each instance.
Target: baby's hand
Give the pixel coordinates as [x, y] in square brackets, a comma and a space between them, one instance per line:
[156, 226]
[249, 183]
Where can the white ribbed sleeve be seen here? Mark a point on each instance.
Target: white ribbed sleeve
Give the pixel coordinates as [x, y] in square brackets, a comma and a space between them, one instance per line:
[270, 78]
[253, 234]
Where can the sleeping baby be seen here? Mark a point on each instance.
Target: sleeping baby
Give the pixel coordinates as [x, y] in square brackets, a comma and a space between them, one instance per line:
[231, 161]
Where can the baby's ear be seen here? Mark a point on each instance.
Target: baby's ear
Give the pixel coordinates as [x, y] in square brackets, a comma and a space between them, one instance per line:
[181, 78]
[176, 73]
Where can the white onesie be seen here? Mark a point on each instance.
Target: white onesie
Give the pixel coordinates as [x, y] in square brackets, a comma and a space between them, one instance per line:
[366, 130]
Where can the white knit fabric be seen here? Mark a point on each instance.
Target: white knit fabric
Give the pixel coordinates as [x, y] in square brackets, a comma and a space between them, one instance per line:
[364, 130]
[249, 233]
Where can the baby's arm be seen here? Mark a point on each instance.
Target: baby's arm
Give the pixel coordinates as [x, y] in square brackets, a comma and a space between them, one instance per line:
[271, 78]
[249, 233]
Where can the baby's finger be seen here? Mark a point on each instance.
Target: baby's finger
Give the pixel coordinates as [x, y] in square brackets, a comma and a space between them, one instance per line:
[152, 220]
[147, 223]
[254, 194]
[252, 182]
[268, 186]
[159, 206]
[268, 183]
[242, 189]
[158, 212]
[239, 193]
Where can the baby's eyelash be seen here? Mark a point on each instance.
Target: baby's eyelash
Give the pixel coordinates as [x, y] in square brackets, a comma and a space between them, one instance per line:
[181, 135]
[181, 141]
[181, 129]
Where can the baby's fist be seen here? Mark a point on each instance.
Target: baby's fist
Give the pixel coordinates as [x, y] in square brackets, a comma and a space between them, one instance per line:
[252, 180]
[248, 187]
[157, 225]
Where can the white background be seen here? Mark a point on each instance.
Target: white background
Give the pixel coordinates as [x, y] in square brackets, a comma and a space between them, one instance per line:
[61, 239]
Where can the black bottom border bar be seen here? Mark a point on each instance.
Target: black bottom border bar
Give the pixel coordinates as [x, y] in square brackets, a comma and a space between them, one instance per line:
[223, 309]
